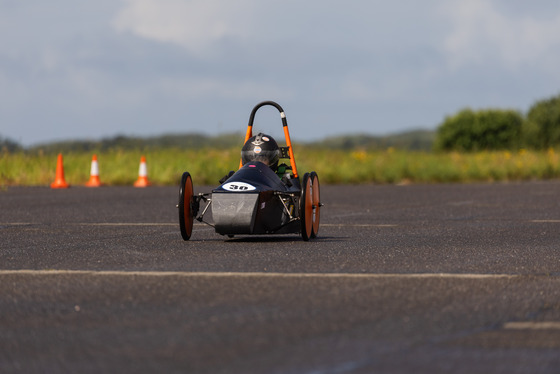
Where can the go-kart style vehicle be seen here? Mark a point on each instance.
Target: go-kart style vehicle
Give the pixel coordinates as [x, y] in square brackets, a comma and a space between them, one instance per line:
[258, 198]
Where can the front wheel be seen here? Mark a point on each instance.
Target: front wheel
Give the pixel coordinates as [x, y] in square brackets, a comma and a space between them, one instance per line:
[306, 208]
[316, 203]
[186, 217]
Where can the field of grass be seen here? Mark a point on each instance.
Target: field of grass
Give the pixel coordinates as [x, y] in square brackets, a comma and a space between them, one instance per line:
[165, 166]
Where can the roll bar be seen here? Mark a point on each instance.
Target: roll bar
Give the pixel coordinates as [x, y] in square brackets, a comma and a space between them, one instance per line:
[249, 133]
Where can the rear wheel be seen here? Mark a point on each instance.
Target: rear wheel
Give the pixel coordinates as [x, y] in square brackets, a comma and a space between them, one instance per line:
[186, 217]
[316, 204]
[306, 208]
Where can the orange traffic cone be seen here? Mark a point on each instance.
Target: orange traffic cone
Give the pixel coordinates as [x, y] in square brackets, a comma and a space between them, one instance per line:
[142, 174]
[94, 174]
[59, 181]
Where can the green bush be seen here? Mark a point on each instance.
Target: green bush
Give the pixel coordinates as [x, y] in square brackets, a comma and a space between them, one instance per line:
[490, 129]
[542, 127]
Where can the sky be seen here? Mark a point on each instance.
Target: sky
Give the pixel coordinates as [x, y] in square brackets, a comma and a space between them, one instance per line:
[78, 69]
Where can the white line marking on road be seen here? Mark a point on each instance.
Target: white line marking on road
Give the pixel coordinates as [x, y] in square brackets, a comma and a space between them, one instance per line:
[356, 225]
[211, 274]
[129, 224]
[177, 223]
[545, 325]
[93, 223]
[202, 224]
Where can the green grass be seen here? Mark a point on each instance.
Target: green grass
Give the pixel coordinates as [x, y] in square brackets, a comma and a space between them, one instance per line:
[165, 166]
[393, 166]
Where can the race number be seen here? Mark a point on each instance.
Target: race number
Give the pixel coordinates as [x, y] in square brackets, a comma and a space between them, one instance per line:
[238, 187]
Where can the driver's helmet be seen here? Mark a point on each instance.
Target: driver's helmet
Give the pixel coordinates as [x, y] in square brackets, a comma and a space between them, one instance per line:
[261, 148]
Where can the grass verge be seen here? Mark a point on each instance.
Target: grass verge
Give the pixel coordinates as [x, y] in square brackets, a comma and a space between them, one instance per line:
[207, 166]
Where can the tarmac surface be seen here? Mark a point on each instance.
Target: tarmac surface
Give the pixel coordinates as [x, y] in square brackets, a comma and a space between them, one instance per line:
[416, 278]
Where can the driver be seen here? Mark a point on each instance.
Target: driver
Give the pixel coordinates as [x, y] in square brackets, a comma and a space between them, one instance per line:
[261, 148]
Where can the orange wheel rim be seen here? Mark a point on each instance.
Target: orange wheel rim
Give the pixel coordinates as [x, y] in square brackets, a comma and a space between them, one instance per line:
[187, 208]
[316, 208]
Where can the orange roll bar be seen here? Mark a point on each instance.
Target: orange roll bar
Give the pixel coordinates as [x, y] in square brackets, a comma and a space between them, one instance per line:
[249, 132]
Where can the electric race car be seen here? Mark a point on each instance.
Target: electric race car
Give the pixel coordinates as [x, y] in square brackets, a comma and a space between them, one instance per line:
[263, 197]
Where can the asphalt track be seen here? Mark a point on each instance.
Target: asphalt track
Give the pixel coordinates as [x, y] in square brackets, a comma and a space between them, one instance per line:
[402, 279]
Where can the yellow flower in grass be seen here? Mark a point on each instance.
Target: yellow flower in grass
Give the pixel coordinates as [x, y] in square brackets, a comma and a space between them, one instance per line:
[359, 155]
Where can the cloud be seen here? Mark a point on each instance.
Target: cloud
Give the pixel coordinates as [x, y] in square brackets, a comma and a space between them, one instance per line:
[484, 32]
[372, 65]
[196, 25]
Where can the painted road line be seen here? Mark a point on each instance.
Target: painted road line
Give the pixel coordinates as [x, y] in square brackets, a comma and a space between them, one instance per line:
[145, 224]
[355, 225]
[128, 224]
[203, 224]
[545, 325]
[90, 224]
[254, 274]
[176, 223]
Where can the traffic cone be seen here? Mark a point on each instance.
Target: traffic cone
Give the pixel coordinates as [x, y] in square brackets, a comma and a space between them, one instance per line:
[94, 174]
[59, 181]
[142, 174]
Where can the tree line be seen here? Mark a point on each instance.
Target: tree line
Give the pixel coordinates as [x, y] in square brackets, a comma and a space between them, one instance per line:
[409, 140]
[495, 129]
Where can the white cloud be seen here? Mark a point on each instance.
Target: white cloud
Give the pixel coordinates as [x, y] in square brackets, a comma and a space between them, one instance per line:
[195, 24]
[482, 33]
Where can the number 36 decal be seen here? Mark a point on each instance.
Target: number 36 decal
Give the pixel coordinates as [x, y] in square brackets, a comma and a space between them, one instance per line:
[238, 186]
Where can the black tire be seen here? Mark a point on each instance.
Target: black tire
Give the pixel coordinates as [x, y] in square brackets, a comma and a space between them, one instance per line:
[186, 217]
[306, 208]
[316, 204]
